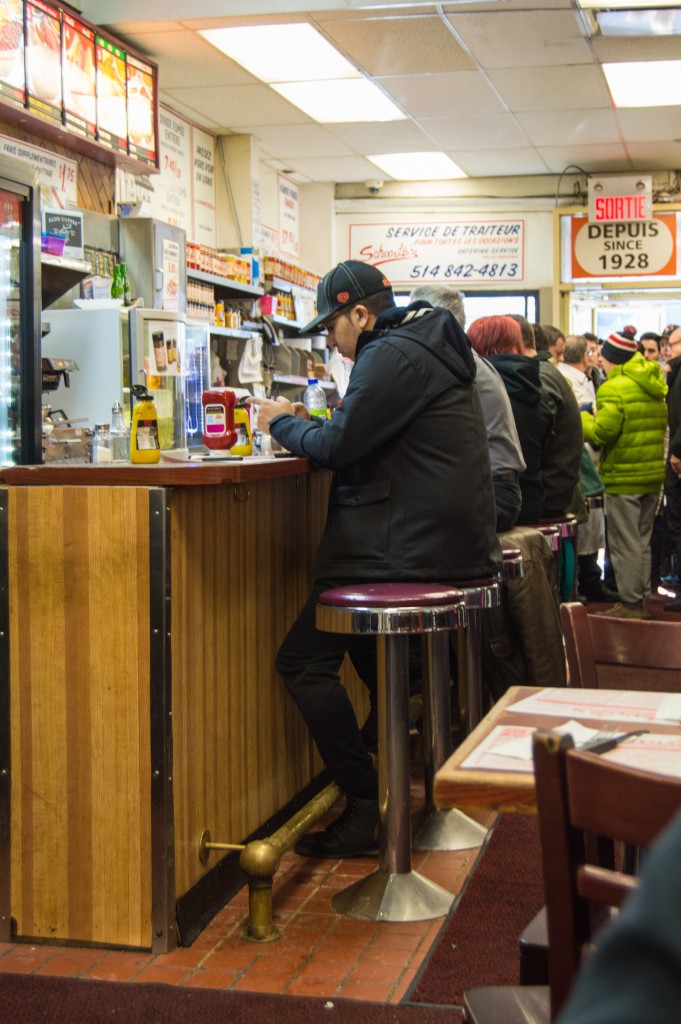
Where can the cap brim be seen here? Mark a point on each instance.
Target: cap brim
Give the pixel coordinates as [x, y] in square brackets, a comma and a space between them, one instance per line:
[317, 322]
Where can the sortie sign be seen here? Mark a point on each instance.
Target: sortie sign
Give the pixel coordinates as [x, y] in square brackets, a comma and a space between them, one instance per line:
[621, 198]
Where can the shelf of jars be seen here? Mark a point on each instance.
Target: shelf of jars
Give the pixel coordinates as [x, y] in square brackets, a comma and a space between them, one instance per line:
[281, 378]
[220, 331]
[228, 283]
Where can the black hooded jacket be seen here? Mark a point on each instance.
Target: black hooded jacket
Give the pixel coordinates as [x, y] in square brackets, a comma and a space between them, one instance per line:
[412, 494]
[534, 423]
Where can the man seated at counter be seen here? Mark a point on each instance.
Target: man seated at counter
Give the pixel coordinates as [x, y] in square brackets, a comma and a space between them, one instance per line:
[411, 500]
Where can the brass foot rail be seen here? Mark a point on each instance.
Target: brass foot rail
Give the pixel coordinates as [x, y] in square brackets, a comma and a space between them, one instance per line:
[260, 861]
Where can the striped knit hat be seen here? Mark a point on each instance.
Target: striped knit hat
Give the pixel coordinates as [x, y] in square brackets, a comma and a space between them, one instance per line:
[617, 349]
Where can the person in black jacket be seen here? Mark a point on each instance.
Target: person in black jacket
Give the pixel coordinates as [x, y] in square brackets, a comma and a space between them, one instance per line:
[672, 483]
[411, 499]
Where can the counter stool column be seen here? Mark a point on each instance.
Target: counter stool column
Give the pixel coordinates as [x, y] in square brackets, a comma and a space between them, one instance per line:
[392, 612]
[567, 533]
[451, 829]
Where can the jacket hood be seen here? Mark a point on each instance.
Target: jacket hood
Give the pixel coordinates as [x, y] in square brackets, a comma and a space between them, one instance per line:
[520, 375]
[646, 374]
[433, 329]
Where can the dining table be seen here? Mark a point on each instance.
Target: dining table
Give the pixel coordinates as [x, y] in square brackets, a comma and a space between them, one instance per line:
[492, 768]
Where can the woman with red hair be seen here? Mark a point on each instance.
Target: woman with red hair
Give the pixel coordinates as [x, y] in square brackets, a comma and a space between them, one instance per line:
[498, 340]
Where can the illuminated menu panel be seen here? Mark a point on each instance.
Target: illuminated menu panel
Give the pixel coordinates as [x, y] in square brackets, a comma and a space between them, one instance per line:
[78, 59]
[43, 60]
[112, 116]
[12, 80]
[141, 120]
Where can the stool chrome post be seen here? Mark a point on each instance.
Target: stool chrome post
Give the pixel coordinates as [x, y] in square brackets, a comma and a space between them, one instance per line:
[395, 892]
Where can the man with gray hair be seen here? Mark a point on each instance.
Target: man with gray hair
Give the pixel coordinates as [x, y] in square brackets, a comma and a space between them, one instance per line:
[591, 534]
[505, 453]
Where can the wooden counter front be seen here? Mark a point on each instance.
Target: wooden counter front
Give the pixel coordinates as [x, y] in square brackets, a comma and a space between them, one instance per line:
[142, 698]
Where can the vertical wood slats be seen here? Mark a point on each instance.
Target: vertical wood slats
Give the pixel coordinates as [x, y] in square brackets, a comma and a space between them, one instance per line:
[79, 697]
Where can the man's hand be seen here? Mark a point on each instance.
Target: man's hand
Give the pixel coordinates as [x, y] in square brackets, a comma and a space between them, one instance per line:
[268, 409]
[675, 463]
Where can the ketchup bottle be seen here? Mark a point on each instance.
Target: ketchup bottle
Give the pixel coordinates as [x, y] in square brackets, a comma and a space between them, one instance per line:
[218, 418]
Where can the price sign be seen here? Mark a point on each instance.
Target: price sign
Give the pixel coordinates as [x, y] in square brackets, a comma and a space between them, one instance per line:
[289, 234]
[624, 249]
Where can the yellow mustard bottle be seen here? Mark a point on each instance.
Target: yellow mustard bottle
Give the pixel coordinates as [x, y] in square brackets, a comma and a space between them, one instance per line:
[144, 443]
[244, 436]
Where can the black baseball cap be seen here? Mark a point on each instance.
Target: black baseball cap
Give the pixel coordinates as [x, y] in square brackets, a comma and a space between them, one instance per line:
[346, 284]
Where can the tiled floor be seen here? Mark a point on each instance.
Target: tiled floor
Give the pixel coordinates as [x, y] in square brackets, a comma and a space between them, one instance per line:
[320, 952]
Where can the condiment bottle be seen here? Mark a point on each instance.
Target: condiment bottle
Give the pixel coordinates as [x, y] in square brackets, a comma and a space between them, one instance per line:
[144, 441]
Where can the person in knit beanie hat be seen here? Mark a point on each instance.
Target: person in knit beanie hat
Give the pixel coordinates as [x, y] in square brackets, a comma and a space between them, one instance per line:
[629, 428]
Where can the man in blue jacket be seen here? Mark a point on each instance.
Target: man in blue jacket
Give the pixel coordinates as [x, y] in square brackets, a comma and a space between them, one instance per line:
[411, 499]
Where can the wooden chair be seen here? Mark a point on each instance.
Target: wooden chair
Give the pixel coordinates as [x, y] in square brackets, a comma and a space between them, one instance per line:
[621, 654]
[585, 804]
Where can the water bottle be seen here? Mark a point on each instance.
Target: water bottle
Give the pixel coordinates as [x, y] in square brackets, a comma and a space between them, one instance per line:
[120, 435]
[314, 399]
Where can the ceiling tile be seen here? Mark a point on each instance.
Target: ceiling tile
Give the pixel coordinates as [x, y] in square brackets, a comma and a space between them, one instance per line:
[463, 92]
[559, 88]
[491, 164]
[594, 159]
[518, 39]
[570, 127]
[341, 168]
[653, 156]
[382, 137]
[488, 131]
[190, 114]
[298, 140]
[637, 47]
[241, 105]
[189, 60]
[640, 124]
[399, 46]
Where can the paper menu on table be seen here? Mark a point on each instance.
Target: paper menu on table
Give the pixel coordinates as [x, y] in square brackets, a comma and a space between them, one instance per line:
[609, 705]
[508, 748]
[653, 752]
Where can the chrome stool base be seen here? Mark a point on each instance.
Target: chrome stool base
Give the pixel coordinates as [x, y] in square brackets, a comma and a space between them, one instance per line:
[384, 896]
[449, 830]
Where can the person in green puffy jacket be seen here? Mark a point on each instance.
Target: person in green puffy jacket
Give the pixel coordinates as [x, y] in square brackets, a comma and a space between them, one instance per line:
[629, 428]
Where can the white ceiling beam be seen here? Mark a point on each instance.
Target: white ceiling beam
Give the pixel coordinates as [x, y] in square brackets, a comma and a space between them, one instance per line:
[114, 12]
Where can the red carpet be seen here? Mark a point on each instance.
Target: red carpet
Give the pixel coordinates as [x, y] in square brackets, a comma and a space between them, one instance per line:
[478, 944]
[32, 999]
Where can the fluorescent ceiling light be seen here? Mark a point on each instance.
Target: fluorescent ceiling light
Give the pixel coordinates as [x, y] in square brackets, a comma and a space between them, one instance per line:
[282, 53]
[640, 23]
[353, 99]
[418, 166]
[624, 5]
[655, 83]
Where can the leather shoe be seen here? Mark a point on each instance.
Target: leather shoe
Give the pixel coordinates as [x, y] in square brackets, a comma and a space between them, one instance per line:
[353, 834]
[623, 611]
[601, 593]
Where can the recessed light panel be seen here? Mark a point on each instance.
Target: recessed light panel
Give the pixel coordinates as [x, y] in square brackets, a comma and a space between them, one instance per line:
[655, 83]
[433, 166]
[353, 99]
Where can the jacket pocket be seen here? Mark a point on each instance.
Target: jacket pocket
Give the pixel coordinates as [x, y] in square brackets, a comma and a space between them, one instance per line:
[358, 523]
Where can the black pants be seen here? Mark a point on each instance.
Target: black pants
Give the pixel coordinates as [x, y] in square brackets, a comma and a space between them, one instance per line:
[672, 490]
[309, 662]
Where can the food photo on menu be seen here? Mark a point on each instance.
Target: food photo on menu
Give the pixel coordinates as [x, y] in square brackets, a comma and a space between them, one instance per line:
[112, 117]
[141, 131]
[12, 46]
[79, 72]
[43, 55]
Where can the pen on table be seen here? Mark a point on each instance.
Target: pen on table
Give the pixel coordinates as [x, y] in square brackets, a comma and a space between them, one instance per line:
[601, 746]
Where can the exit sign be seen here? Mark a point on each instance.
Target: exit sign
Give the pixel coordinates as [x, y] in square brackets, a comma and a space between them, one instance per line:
[623, 198]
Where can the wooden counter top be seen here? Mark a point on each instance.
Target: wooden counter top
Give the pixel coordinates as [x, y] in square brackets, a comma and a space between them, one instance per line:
[167, 473]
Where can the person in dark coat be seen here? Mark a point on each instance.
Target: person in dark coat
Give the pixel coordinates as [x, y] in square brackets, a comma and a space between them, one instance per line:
[498, 339]
[672, 483]
[411, 500]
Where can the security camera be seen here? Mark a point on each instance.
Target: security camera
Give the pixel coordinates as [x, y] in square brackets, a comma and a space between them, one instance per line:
[374, 185]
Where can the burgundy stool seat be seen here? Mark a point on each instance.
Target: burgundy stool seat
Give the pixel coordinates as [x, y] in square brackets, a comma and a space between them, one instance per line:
[567, 525]
[392, 612]
[552, 534]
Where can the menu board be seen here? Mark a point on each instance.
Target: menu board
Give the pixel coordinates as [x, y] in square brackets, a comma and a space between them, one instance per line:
[12, 81]
[112, 116]
[78, 58]
[141, 126]
[43, 60]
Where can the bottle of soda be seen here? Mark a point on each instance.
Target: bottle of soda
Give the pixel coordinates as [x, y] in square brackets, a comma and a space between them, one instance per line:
[117, 283]
[125, 281]
[314, 399]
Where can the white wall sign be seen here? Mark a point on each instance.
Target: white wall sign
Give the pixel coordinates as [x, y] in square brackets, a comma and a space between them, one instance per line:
[289, 232]
[466, 251]
[58, 175]
[171, 274]
[170, 198]
[632, 249]
[203, 192]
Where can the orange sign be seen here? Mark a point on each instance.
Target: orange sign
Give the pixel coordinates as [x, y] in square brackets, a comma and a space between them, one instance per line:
[625, 248]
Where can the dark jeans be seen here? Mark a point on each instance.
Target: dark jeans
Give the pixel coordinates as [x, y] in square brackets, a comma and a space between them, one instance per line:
[309, 661]
[672, 490]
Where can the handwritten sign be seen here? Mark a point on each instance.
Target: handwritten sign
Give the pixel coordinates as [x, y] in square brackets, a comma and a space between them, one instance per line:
[289, 232]
[203, 187]
[69, 224]
[171, 189]
[58, 174]
[460, 251]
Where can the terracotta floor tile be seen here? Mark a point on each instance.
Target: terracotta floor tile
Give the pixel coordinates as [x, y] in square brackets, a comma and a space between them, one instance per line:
[232, 957]
[211, 979]
[403, 985]
[272, 983]
[371, 990]
[118, 967]
[310, 987]
[164, 974]
[191, 957]
[24, 959]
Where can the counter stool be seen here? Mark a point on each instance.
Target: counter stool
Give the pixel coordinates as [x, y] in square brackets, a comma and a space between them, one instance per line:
[565, 559]
[514, 566]
[452, 830]
[392, 612]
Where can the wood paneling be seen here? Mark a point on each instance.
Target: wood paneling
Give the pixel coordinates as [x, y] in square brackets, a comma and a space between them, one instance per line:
[79, 693]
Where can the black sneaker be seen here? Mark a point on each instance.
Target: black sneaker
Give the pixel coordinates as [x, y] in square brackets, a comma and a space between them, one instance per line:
[353, 834]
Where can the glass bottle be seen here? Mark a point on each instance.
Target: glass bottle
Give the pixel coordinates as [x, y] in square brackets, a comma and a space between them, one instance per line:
[102, 444]
[125, 282]
[120, 435]
[117, 283]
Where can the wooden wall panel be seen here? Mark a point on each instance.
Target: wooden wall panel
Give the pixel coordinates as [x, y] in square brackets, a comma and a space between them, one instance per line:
[240, 572]
[79, 694]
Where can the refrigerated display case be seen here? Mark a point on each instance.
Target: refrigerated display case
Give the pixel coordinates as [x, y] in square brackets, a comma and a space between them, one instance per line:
[20, 375]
